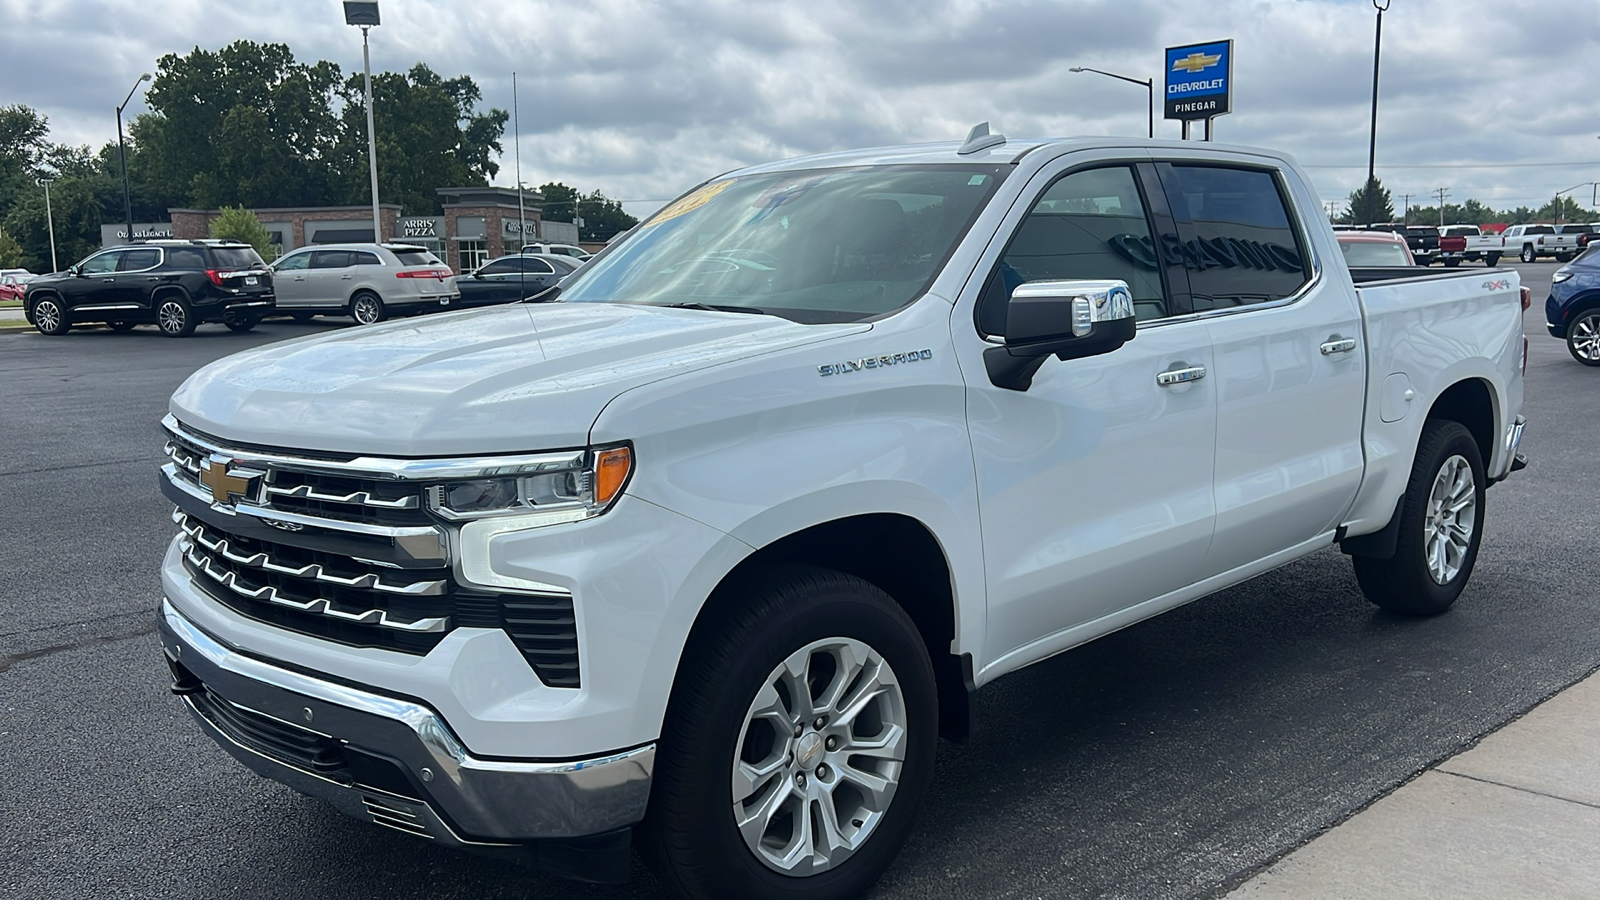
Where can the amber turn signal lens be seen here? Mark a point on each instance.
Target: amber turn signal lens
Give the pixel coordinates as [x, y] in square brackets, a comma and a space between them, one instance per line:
[611, 468]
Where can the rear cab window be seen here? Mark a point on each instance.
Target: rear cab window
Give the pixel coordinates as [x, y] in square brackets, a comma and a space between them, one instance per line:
[1239, 241]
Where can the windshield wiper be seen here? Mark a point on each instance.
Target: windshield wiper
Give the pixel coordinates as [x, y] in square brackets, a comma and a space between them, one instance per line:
[714, 307]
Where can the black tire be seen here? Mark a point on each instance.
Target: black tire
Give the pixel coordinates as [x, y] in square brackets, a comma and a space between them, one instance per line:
[174, 316]
[367, 308]
[1528, 255]
[240, 324]
[1583, 337]
[1563, 257]
[1491, 260]
[121, 327]
[50, 316]
[1404, 583]
[303, 316]
[1452, 262]
[689, 834]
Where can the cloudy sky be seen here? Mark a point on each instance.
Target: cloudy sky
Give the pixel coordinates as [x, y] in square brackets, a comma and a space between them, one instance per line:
[1488, 98]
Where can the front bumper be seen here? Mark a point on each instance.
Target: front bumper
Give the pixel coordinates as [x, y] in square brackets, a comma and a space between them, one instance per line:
[393, 761]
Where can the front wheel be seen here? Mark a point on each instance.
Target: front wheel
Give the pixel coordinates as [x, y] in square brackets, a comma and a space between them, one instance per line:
[798, 744]
[367, 309]
[1492, 260]
[1441, 525]
[1528, 255]
[50, 317]
[174, 317]
[1583, 337]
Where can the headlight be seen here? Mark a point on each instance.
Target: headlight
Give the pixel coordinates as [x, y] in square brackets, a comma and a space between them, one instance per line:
[584, 487]
[1559, 277]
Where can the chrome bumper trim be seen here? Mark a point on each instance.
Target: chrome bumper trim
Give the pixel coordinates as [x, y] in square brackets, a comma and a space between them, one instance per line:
[474, 800]
[1513, 462]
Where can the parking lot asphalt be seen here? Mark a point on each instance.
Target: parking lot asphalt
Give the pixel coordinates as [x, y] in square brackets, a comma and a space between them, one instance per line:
[1170, 760]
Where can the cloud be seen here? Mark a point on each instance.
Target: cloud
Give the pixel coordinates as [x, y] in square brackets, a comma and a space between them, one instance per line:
[644, 99]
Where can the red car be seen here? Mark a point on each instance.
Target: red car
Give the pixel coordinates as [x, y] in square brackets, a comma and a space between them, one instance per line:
[1374, 249]
[12, 281]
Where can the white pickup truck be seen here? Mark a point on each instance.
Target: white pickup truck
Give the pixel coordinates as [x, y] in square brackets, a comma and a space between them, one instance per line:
[706, 555]
[1529, 242]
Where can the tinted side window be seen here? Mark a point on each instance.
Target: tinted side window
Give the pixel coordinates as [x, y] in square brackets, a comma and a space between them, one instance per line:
[134, 260]
[185, 258]
[293, 262]
[1088, 225]
[102, 264]
[1238, 242]
[358, 258]
[537, 267]
[330, 259]
[499, 267]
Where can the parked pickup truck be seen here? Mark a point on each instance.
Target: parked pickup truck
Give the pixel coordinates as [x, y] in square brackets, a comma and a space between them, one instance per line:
[1529, 242]
[708, 553]
[1468, 242]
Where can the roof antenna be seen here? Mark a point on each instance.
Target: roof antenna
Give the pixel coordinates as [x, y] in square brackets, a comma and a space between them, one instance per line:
[979, 138]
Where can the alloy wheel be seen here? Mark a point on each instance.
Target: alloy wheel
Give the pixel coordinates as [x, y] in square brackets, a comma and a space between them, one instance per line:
[172, 316]
[365, 311]
[1451, 517]
[1585, 337]
[819, 756]
[47, 316]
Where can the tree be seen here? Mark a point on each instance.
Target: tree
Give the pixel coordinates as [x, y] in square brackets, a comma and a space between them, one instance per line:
[12, 256]
[1564, 209]
[602, 217]
[1370, 203]
[240, 224]
[428, 134]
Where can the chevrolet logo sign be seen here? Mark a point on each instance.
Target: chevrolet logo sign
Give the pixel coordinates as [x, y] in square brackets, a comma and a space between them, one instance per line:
[224, 485]
[1195, 63]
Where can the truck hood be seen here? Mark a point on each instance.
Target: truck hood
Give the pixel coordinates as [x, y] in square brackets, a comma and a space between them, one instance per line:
[507, 379]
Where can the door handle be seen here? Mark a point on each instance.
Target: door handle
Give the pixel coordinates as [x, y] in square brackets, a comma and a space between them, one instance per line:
[1337, 344]
[345, 277]
[1180, 376]
[108, 281]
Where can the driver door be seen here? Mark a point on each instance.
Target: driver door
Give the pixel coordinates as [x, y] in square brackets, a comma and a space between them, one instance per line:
[1095, 483]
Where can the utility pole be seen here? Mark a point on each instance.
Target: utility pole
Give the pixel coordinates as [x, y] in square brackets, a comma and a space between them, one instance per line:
[1406, 218]
[1443, 193]
[1372, 140]
[122, 152]
[516, 143]
[50, 223]
[365, 15]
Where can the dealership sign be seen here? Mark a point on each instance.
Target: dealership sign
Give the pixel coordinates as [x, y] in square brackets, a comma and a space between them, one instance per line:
[1199, 80]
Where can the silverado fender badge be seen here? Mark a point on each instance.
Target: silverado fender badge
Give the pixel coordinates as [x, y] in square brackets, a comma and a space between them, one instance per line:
[873, 362]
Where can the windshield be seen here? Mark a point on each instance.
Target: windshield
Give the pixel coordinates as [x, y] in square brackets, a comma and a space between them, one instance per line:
[1374, 253]
[828, 245]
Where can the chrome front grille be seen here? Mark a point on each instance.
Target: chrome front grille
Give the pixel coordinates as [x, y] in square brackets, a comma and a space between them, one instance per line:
[349, 554]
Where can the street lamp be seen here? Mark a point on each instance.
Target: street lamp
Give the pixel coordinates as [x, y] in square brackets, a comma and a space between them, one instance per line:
[122, 152]
[365, 15]
[50, 222]
[1149, 85]
[1372, 142]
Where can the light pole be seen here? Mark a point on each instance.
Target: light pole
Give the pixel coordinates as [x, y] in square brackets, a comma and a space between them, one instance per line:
[122, 152]
[50, 223]
[365, 15]
[1372, 141]
[1149, 85]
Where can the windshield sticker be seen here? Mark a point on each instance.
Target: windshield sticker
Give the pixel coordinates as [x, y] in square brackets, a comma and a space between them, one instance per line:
[690, 202]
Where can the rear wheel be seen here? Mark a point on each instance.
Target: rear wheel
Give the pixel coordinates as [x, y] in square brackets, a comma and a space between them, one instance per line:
[241, 324]
[1441, 524]
[1563, 257]
[1583, 337]
[797, 746]
[50, 317]
[174, 317]
[367, 308]
[1492, 259]
[1528, 254]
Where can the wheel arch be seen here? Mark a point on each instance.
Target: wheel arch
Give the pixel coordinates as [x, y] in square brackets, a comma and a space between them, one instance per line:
[894, 552]
[168, 290]
[1471, 402]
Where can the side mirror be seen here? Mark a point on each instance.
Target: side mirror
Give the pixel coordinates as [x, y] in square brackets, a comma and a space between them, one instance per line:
[73, 271]
[1066, 319]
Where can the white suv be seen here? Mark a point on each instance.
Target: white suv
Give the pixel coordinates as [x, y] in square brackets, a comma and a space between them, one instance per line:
[558, 250]
[364, 281]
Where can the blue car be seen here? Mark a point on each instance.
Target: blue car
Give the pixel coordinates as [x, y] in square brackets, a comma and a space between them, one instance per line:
[1573, 310]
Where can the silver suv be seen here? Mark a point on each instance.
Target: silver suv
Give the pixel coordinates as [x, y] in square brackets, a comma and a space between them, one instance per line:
[364, 281]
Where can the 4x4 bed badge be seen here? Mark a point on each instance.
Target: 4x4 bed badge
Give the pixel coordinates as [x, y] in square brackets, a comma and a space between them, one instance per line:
[873, 362]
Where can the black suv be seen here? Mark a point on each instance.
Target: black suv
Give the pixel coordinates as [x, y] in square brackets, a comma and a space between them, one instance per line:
[174, 285]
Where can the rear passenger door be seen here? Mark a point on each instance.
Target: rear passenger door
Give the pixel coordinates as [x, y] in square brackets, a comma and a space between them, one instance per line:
[1289, 370]
[136, 277]
[328, 278]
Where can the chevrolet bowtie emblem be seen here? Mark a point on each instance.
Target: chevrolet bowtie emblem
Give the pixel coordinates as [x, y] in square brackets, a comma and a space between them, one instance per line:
[1195, 63]
[224, 485]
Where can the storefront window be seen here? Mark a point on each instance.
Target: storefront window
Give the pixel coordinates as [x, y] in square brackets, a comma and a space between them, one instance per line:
[473, 254]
